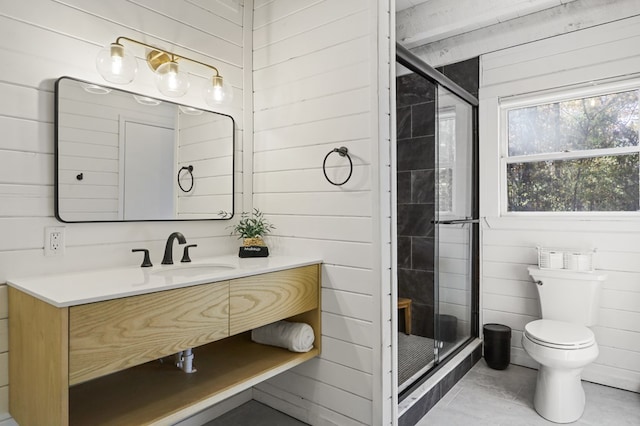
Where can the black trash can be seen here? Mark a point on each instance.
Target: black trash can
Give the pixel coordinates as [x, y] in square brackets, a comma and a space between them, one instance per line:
[497, 345]
[448, 328]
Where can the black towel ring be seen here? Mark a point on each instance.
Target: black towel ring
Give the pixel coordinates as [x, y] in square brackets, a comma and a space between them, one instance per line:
[343, 152]
[189, 170]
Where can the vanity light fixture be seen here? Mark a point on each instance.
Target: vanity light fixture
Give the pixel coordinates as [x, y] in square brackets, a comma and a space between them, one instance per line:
[145, 100]
[95, 89]
[117, 65]
[190, 110]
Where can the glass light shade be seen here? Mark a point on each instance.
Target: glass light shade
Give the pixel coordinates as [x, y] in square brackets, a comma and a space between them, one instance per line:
[95, 89]
[171, 81]
[218, 91]
[145, 100]
[116, 65]
[190, 110]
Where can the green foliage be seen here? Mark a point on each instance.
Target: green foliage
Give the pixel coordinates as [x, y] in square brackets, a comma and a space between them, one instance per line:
[252, 225]
[591, 183]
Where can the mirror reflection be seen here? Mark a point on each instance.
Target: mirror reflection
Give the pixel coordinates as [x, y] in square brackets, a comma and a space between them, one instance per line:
[121, 156]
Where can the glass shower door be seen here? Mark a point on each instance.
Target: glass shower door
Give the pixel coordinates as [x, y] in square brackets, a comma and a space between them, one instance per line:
[455, 220]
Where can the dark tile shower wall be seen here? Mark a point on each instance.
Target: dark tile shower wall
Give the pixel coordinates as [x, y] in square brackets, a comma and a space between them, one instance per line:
[416, 113]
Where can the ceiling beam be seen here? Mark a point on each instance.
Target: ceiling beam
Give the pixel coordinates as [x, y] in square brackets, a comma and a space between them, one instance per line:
[436, 20]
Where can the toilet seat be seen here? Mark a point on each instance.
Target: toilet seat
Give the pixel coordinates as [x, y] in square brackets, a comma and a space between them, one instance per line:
[559, 334]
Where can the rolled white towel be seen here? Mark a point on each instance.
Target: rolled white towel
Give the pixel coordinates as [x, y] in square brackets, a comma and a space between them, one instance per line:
[295, 336]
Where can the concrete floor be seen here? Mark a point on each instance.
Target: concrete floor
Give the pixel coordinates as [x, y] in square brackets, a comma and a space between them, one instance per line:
[505, 397]
[483, 397]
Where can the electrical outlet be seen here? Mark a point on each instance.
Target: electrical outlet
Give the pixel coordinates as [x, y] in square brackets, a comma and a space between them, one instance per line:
[54, 241]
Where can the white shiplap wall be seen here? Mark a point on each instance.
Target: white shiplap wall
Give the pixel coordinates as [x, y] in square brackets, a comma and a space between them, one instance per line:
[316, 88]
[508, 293]
[41, 40]
[89, 143]
[205, 142]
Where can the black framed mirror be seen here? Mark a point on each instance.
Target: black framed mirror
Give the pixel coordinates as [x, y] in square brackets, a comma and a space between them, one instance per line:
[121, 156]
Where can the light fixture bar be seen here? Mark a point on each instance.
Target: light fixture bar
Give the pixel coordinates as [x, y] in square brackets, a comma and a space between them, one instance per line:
[157, 56]
[117, 65]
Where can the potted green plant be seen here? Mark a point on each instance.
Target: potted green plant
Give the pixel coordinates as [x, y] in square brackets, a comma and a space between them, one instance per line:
[252, 227]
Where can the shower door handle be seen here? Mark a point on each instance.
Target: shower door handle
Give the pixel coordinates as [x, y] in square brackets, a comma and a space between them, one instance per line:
[455, 221]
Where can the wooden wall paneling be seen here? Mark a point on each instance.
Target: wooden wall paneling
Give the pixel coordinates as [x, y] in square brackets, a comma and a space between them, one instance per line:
[316, 64]
[345, 353]
[268, 11]
[300, 408]
[573, 16]
[623, 300]
[336, 80]
[355, 203]
[348, 229]
[617, 338]
[19, 102]
[340, 376]
[25, 200]
[349, 254]
[198, 17]
[355, 331]
[347, 278]
[573, 43]
[312, 180]
[26, 135]
[14, 163]
[294, 22]
[352, 305]
[306, 135]
[611, 376]
[227, 9]
[314, 39]
[353, 102]
[311, 157]
[189, 42]
[323, 394]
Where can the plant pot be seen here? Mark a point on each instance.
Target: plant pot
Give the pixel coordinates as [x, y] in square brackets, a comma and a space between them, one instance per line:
[253, 247]
[254, 242]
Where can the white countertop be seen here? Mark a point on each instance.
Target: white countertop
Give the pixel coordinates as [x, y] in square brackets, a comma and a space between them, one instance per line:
[77, 288]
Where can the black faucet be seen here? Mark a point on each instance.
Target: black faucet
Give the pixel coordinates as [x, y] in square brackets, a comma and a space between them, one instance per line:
[168, 249]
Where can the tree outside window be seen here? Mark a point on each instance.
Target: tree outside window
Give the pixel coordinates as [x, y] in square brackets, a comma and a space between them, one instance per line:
[577, 155]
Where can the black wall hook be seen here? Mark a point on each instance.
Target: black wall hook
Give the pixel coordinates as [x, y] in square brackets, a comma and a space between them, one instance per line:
[80, 176]
[343, 152]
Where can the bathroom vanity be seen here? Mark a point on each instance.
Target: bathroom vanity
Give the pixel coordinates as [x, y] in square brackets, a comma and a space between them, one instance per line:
[96, 347]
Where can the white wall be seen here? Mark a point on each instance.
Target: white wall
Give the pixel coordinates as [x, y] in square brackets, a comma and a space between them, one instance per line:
[508, 247]
[41, 40]
[316, 88]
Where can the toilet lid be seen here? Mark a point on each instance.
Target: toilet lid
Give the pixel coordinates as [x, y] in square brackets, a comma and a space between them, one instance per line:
[559, 334]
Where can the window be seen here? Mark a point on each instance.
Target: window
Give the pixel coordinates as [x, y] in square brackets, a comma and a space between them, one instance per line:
[579, 153]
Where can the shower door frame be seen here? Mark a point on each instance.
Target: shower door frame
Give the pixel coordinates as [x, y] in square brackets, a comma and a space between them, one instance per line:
[417, 65]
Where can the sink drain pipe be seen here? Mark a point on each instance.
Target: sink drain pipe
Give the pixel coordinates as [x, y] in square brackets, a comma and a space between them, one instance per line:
[184, 361]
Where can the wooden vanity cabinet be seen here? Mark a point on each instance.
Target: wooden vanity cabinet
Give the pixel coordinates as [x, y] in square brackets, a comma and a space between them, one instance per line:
[97, 363]
[110, 336]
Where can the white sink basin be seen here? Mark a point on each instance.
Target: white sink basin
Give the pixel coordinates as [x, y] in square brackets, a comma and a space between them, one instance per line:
[186, 270]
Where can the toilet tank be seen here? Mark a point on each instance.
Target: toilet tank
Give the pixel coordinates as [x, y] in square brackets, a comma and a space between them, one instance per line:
[568, 295]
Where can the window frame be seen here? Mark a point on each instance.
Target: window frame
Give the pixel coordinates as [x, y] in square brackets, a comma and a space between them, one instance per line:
[590, 89]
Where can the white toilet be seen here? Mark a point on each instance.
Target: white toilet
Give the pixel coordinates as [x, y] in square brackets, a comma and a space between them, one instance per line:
[561, 341]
